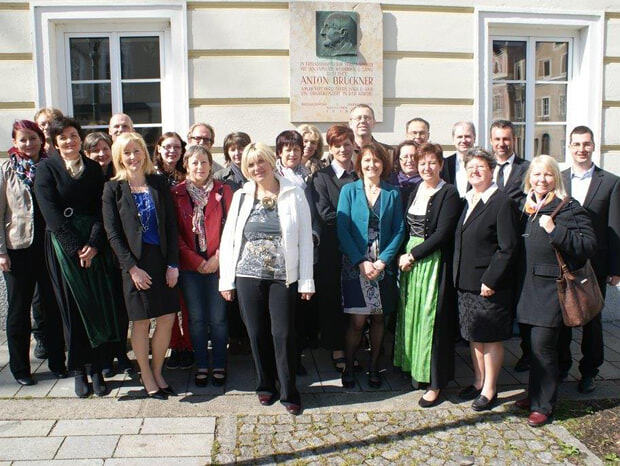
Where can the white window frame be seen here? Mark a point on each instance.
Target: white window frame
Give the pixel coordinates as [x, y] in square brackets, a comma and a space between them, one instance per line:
[54, 19]
[116, 79]
[585, 88]
[545, 112]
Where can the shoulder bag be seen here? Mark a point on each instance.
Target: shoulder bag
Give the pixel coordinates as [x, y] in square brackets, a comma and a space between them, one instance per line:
[578, 292]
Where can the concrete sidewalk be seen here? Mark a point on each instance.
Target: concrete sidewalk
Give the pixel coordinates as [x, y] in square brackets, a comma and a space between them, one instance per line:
[47, 423]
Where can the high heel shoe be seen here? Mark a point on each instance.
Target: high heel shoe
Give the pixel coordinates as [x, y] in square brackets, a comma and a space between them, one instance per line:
[157, 395]
[168, 390]
[348, 379]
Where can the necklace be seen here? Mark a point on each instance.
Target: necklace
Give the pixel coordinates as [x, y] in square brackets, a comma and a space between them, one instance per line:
[144, 215]
[372, 189]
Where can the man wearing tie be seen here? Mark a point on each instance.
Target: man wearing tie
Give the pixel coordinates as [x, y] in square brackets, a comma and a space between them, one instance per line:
[453, 171]
[510, 170]
[598, 191]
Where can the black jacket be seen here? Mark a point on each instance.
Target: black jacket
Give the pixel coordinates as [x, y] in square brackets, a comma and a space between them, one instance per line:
[574, 237]
[448, 171]
[326, 188]
[486, 245]
[58, 195]
[602, 203]
[513, 186]
[122, 224]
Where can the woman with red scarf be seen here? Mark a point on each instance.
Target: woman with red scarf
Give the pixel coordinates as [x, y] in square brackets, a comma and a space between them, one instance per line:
[22, 258]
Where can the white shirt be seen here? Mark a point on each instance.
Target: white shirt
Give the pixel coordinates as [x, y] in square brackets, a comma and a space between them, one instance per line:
[460, 175]
[579, 184]
[507, 168]
[424, 194]
[484, 197]
[338, 170]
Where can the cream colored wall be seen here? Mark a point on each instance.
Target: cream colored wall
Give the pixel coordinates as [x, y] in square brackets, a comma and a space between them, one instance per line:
[238, 67]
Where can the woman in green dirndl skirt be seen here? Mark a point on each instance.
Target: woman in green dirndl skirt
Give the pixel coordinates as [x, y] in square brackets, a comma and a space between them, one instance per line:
[426, 323]
[68, 189]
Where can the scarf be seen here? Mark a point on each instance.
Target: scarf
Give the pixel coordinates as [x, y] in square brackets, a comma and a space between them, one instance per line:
[24, 167]
[532, 206]
[238, 177]
[297, 175]
[74, 167]
[200, 198]
[404, 180]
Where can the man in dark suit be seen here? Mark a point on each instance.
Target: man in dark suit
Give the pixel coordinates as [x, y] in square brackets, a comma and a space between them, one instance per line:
[598, 191]
[453, 171]
[362, 121]
[510, 168]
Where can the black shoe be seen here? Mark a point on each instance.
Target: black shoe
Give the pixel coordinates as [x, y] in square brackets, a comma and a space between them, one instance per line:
[186, 359]
[470, 393]
[563, 375]
[158, 395]
[522, 364]
[423, 403]
[168, 391]
[82, 389]
[60, 374]
[374, 379]
[173, 360]
[201, 378]
[26, 381]
[218, 377]
[99, 386]
[108, 372]
[348, 379]
[40, 351]
[586, 385]
[482, 403]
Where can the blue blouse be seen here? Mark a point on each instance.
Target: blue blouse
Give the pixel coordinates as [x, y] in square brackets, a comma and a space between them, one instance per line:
[148, 217]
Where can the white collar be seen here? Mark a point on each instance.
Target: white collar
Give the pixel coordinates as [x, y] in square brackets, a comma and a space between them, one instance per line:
[586, 174]
[338, 170]
[484, 196]
[510, 160]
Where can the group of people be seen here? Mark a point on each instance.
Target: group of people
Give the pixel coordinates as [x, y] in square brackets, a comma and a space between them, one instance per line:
[98, 233]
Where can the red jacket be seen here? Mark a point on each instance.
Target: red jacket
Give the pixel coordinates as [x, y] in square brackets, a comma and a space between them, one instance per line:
[219, 202]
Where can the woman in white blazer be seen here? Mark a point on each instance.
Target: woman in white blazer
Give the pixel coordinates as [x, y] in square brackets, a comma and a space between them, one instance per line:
[268, 238]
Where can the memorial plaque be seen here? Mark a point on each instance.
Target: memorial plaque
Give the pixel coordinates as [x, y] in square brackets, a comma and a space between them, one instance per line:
[336, 59]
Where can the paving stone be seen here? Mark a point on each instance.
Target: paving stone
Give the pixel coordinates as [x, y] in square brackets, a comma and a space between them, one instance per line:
[91, 446]
[72, 462]
[29, 448]
[178, 425]
[137, 446]
[83, 427]
[25, 428]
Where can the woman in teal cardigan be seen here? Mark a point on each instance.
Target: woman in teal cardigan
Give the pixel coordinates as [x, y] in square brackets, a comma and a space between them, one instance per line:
[370, 231]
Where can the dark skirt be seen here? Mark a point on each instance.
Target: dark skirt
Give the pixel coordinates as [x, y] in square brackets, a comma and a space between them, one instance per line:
[159, 299]
[485, 320]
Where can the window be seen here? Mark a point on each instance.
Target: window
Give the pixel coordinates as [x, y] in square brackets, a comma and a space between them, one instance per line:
[115, 73]
[536, 84]
[570, 44]
[94, 59]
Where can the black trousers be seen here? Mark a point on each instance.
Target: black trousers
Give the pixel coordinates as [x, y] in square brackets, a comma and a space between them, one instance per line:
[38, 317]
[28, 272]
[544, 367]
[332, 320]
[268, 311]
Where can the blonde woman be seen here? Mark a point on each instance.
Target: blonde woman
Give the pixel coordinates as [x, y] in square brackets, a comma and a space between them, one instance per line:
[267, 243]
[312, 156]
[538, 308]
[140, 221]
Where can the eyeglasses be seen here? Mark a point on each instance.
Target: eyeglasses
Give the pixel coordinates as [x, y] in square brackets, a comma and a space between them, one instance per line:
[471, 168]
[362, 118]
[404, 157]
[579, 145]
[201, 138]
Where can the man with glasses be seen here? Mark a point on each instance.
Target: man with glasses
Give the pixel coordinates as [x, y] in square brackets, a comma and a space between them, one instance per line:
[203, 134]
[120, 123]
[598, 191]
[453, 171]
[418, 130]
[362, 121]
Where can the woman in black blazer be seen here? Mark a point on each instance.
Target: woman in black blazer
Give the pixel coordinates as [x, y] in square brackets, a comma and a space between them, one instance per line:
[486, 244]
[326, 186]
[140, 221]
[538, 308]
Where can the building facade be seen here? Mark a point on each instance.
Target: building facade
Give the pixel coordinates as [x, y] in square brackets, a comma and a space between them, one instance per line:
[546, 65]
